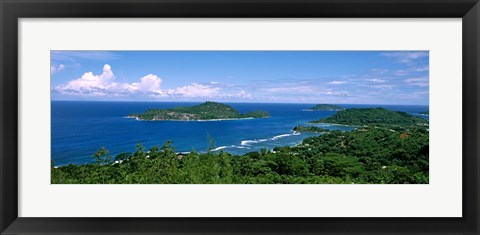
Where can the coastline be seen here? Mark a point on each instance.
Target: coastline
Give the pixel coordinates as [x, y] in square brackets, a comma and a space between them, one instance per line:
[244, 144]
[196, 120]
[309, 110]
[333, 124]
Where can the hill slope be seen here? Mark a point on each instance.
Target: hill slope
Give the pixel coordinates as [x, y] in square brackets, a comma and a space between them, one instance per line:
[373, 117]
[326, 107]
[205, 111]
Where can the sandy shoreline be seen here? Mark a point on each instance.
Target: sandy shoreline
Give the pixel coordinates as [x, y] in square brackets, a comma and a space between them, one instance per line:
[199, 120]
[332, 124]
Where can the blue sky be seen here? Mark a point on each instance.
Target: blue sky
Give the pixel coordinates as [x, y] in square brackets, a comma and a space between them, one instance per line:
[337, 77]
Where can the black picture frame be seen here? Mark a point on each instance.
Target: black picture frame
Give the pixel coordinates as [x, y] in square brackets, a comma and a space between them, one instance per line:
[12, 10]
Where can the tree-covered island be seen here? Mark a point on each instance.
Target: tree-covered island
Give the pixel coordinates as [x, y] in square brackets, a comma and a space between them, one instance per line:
[311, 129]
[205, 111]
[326, 107]
[379, 117]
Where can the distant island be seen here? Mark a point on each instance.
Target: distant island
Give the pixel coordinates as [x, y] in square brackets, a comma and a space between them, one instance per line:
[202, 112]
[311, 129]
[373, 117]
[325, 107]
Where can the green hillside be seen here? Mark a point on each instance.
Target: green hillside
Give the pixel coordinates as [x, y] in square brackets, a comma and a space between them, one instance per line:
[311, 129]
[373, 117]
[205, 111]
[326, 107]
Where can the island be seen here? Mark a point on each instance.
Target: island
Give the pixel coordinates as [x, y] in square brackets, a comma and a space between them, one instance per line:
[325, 107]
[373, 117]
[207, 111]
[311, 129]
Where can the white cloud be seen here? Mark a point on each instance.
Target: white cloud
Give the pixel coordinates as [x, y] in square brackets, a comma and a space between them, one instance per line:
[210, 90]
[149, 84]
[54, 69]
[244, 95]
[375, 80]
[419, 95]
[89, 83]
[336, 93]
[406, 57]
[379, 71]
[401, 72]
[104, 84]
[421, 82]
[290, 89]
[195, 90]
[337, 82]
[71, 56]
[417, 69]
[378, 86]
[420, 69]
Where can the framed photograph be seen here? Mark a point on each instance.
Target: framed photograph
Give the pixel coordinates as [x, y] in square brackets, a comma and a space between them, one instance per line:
[252, 127]
[174, 117]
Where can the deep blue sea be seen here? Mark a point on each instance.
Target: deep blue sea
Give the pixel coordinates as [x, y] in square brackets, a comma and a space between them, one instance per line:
[80, 128]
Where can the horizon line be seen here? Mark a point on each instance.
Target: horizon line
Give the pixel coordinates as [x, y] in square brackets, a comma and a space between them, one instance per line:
[144, 101]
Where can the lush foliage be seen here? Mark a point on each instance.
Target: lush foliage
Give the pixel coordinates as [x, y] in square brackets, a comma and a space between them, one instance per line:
[255, 114]
[312, 129]
[374, 117]
[369, 155]
[326, 107]
[206, 111]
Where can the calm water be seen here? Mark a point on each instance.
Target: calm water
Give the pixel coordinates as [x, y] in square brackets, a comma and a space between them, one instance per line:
[79, 128]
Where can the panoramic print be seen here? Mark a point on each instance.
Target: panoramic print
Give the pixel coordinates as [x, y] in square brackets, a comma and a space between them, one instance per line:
[239, 117]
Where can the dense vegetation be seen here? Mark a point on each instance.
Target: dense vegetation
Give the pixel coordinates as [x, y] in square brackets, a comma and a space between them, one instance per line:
[326, 107]
[374, 117]
[372, 154]
[369, 155]
[312, 129]
[206, 111]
